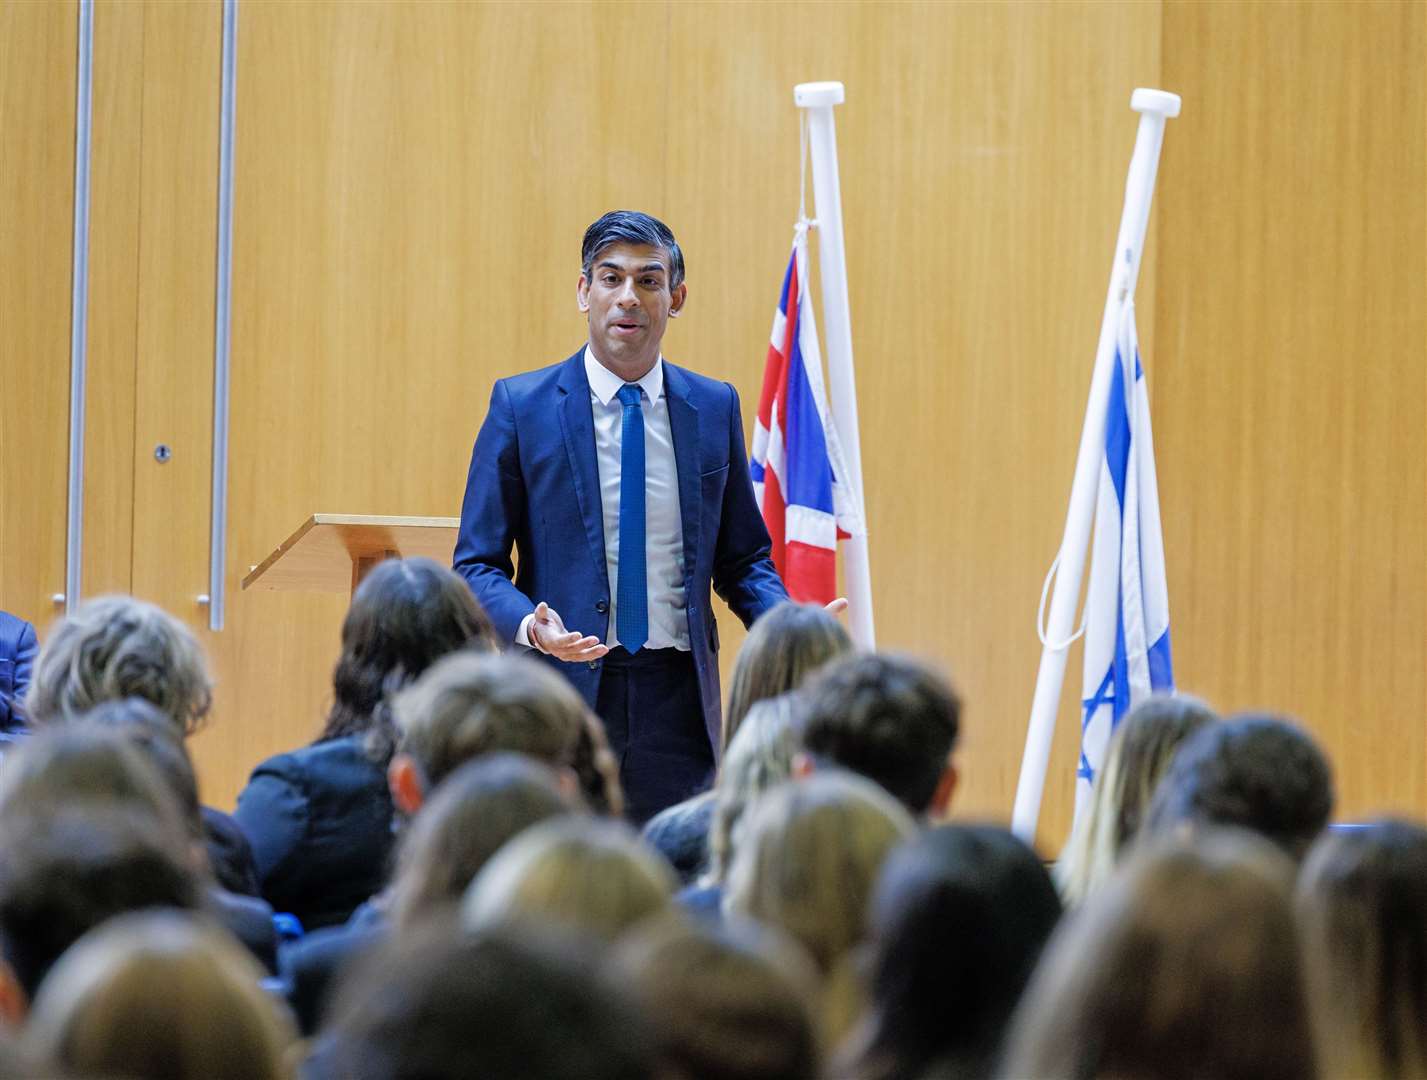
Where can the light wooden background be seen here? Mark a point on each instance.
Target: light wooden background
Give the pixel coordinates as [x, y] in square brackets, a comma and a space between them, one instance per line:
[412, 183]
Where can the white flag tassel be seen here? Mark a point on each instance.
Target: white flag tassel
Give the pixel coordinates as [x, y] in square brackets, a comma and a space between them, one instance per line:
[1127, 653]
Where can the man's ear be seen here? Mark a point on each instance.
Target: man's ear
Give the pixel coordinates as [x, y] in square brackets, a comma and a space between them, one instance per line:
[803, 765]
[678, 297]
[403, 779]
[14, 1002]
[582, 294]
[945, 789]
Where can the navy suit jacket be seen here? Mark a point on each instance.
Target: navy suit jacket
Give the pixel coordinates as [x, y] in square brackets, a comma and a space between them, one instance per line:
[534, 485]
[18, 646]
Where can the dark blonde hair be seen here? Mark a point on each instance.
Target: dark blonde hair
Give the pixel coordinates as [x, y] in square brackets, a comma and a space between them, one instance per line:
[1362, 906]
[116, 647]
[786, 644]
[1185, 964]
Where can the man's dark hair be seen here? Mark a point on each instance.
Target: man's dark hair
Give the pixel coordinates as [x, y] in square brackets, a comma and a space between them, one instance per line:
[890, 718]
[1258, 772]
[631, 227]
[501, 1005]
[63, 873]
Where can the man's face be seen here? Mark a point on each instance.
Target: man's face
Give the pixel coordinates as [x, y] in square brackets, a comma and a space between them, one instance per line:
[629, 302]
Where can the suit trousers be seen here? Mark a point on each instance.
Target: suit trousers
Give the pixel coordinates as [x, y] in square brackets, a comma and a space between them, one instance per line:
[649, 702]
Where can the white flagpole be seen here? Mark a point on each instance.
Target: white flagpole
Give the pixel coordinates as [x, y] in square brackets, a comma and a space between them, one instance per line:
[1154, 107]
[818, 99]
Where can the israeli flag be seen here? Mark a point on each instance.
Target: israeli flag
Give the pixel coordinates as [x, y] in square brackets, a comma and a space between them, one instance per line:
[1127, 603]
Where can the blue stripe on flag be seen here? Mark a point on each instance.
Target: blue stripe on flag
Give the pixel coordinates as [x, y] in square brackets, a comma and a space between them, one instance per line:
[809, 473]
[1117, 431]
[1161, 668]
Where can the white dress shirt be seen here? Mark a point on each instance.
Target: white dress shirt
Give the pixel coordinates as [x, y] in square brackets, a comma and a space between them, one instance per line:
[663, 527]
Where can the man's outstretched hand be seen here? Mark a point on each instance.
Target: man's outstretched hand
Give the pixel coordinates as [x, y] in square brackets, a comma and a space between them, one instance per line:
[548, 634]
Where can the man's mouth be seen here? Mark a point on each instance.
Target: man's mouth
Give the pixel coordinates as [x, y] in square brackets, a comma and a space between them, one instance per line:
[626, 327]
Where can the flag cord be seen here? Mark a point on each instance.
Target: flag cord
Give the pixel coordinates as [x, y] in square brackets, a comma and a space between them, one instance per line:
[1040, 612]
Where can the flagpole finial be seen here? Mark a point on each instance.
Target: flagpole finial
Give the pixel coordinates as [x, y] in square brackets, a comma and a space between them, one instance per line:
[1162, 102]
[812, 95]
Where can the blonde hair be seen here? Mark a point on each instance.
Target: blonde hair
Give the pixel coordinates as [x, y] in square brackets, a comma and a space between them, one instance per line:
[809, 856]
[589, 874]
[1137, 759]
[160, 995]
[116, 647]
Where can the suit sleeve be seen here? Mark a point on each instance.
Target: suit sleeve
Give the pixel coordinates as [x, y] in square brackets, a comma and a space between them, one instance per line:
[492, 513]
[743, 572]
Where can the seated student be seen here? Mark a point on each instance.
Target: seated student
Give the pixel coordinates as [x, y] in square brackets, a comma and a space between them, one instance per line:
[1139, 754]
[582, 875]
[115, 648]
[1362, 911]
[18, 646]
[159, 994]
[787, 644]
[807, 859]
[320, 818]
[503, 1004]
[1186, 964]
[958, 921]
[1256, 772]
[732, 1002]
[889, 718]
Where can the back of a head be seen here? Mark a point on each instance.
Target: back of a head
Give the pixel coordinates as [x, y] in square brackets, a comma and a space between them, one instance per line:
[1140, 751]
[161, 996]
[785, 646]
[475, 811]
[499, 1005]
[722, 1005]
[1255, 772]
[577, 873]
[758, 760]
[888, 718]
[149, 731]
[471, 704]
[1362, 906]
[64, 872]
[808, 858]
[1185, 965]
[405, 615]
[116, 647]
[959, 919]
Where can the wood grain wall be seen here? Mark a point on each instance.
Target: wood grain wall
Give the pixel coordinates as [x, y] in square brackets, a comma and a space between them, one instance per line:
[412, 182]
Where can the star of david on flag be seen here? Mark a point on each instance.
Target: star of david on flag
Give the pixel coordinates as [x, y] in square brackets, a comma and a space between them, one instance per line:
[1127, 655]
[797, 464]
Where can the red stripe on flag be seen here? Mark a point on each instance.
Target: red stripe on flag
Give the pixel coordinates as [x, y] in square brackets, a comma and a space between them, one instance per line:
[811, 576]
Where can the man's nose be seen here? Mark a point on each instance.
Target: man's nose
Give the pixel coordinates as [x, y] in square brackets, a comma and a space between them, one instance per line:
[627, 295]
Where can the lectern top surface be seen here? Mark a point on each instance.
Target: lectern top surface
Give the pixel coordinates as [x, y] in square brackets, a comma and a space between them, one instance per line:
[318, 556]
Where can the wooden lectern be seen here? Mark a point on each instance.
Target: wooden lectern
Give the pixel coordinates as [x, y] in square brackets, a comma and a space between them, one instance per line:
[334, 552]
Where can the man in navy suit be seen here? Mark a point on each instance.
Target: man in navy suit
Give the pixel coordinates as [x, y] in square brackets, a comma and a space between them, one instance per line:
[18, 646]
[622, 483]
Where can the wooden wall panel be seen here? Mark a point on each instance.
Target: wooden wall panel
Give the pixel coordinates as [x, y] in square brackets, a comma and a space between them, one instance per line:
[980, 202]
[38, 49]
[1290, 385]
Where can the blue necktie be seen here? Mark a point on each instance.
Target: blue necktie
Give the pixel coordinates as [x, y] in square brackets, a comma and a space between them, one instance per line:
[632, 603]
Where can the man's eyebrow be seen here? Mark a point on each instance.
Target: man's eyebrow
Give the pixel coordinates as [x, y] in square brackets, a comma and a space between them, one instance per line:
[642, 270]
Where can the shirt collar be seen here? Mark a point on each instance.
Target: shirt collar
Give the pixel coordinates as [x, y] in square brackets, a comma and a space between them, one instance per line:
[605, 384]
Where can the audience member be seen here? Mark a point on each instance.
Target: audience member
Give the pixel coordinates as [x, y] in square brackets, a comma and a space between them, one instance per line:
[320, 818]
[891, 719]
[18, 646]
[1255, 772]
[1362, 907]
[597, 770]
[499, 1005]
[786, 645]
[469, 705]
[1184, 965]
[163, 997]
[116, 647]
[732, 1002]
[1137, 758]
[958, 921]
[582, 874]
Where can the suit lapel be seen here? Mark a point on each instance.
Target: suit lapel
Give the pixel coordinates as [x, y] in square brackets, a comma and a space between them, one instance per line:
[578, 429]
[684, 427]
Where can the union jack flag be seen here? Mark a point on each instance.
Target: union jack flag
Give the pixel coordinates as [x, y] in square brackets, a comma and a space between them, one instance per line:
[797, 460]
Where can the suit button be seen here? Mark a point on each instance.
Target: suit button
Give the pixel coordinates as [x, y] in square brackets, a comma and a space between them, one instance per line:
[594, 664]
[601, 606]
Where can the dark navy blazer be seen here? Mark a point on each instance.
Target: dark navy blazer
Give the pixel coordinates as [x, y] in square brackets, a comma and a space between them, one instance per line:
[18, 646]
[534, 484]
